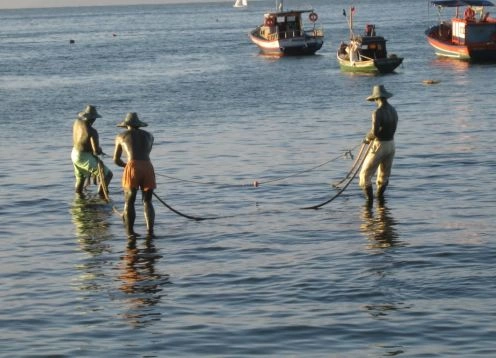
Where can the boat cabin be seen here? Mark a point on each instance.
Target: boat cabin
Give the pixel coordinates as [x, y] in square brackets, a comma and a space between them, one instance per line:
[368, 47]
[473, 25]
[287, 24]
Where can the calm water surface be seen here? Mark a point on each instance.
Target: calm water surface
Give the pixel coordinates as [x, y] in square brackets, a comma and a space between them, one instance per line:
[411, 278]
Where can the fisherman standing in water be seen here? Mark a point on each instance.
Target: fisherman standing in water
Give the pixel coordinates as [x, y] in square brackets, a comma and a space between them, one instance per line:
[380, 156]
[138, 171]
[86, 149]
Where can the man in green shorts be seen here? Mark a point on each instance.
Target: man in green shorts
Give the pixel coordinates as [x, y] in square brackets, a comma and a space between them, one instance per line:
[85, 150]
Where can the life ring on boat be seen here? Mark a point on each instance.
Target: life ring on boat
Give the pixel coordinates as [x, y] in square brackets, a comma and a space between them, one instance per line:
[313, 16]
[269, 22]
[469, 14]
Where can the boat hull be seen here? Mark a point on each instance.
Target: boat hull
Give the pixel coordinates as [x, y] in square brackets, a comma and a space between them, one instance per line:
[295, 46]
[446, 47]
[383, 65]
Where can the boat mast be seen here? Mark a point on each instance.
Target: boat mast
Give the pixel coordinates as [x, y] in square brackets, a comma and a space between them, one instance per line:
[350, 20]
[280, 5]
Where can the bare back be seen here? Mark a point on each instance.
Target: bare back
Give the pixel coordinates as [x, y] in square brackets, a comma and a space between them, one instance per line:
[135, 143]
[82, 133]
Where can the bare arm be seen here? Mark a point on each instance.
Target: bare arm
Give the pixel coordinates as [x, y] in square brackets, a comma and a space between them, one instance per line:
[118, 152]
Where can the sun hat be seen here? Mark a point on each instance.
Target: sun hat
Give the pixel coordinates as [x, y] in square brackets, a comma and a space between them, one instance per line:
[132, 120]
[379, 92]
[89, 113]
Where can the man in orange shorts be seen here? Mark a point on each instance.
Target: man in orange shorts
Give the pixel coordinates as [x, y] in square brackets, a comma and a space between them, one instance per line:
[138, 171]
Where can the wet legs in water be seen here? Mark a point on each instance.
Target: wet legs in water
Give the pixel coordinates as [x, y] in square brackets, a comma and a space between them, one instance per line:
[369, 194]
[129, 215]
[149, 211]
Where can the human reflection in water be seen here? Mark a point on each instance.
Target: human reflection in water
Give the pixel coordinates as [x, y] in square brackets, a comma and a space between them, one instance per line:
[141, 284]
[91, 220]
[379, 226]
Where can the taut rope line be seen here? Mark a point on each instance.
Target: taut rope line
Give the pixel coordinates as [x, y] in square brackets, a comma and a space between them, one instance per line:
[345, 186]
[346, 153]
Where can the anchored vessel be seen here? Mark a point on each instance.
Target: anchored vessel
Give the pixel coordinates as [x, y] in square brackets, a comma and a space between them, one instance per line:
[283, 33]
[241, 3]
[469, 35]
[366, 53]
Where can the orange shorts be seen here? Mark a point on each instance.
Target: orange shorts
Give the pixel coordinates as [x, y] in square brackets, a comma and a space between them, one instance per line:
[139, 174]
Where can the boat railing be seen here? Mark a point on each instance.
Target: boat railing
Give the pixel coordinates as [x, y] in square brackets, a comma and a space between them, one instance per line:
[278, 35]
[365, 57]
[317, 32]
[290, 34]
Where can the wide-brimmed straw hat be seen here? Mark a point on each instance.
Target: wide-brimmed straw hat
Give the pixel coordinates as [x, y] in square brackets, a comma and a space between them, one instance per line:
[89, 113]
[132, 120]
[379, 92]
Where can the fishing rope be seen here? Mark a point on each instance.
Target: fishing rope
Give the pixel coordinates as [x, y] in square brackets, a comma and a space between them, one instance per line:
[196, 218]
[352, 167]
[347, 153]
[103, 183]
[345, 186]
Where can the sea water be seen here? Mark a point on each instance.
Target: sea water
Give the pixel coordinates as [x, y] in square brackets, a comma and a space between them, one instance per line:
[413, 277]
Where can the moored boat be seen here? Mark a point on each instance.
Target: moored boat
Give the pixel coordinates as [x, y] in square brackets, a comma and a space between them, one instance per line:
[283, 33]
[469, 35]
[241, 3]
[366, 53]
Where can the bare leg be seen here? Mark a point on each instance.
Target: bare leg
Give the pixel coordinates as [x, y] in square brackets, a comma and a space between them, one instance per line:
[149, 210]
[129, 214]
[80, 185]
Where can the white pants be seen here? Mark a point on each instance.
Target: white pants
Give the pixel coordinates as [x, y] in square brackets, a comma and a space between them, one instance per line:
[380, 160]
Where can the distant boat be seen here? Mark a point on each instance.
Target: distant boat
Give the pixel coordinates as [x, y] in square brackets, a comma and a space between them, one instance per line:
[241, 3]
[470, 35]
[366, 53]
[283, 33]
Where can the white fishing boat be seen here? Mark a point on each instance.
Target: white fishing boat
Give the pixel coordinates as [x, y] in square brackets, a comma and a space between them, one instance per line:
[241, 3]
[283, 33]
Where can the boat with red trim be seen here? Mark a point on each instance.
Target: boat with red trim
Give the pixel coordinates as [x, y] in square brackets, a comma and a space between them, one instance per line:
[469, 35]
[286, 33]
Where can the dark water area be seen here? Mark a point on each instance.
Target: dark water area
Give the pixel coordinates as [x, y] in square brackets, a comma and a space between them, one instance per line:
[411, 278]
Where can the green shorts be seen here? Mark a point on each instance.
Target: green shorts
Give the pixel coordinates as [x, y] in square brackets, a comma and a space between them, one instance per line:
[85, 164]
